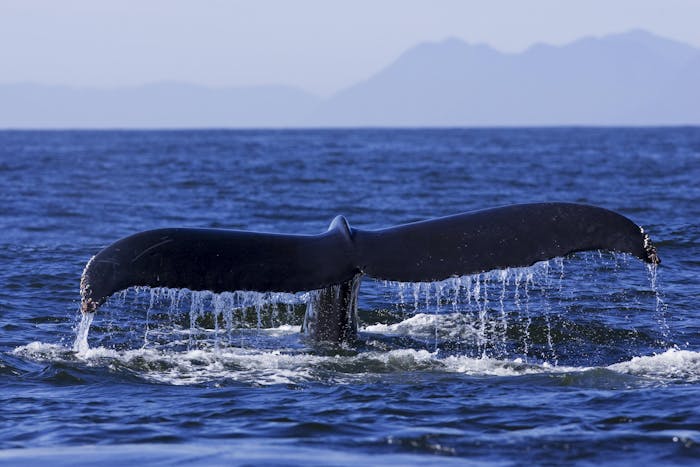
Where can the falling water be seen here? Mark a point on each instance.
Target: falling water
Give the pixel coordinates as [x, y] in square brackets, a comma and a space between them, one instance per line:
[81, 342]
[506, 313]
[510, 313]
[660, 304]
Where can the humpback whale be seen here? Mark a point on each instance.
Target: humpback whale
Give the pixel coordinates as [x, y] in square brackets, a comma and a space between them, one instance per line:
[334, 262]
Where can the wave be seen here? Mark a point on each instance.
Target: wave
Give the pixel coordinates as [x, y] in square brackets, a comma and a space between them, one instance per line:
[673, 365]
[269, 367]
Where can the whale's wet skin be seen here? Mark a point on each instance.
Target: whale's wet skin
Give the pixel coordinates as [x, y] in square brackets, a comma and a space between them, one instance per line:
[592, 358]
[333, 263]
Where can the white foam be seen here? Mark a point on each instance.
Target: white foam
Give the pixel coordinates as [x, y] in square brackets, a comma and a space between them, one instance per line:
[487, 366]
[41, 351]
[448, 325]
[673, 364]
[266, 367]
[187, 367]
[283, 330]
[258, 367]
[420, 323]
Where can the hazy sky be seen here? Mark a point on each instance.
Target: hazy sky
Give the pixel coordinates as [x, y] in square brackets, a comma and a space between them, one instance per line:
[319, 45]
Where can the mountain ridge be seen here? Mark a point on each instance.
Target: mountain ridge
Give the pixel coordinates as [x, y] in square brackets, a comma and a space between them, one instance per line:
[631, 78]
[591, 81]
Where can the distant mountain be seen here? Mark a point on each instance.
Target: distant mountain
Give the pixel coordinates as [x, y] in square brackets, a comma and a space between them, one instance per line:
[631, 78]
[160, 105]
[634, 78]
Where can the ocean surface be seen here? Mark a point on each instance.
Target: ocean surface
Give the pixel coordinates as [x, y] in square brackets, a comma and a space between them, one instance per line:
[592, 359]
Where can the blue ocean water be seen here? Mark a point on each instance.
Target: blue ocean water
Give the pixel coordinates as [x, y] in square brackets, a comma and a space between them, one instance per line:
[590, 359]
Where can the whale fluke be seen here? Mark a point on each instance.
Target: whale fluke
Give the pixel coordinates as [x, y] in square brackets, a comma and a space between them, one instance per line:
[219, 261]
[468, 243]
[498, 238]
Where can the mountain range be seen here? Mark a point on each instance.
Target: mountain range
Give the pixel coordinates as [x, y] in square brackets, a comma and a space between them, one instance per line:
[633, 78]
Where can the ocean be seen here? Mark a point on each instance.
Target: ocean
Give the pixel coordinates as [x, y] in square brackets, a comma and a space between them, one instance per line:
[590, 359]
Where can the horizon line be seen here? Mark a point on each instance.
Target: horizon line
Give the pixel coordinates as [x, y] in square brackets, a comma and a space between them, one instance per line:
[592, 126]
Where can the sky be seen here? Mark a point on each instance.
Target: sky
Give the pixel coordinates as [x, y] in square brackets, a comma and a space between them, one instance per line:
[320, 46]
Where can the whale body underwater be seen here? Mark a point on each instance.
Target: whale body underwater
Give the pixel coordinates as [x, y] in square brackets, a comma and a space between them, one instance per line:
[335, 261]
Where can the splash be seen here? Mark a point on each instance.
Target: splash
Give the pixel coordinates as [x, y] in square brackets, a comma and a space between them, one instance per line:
[81, 343]
[210, 319]
[529, 312]
[515, 313]
[661, 307]
[480, 306]
[673, 365]
[282, 366]
[506, 323]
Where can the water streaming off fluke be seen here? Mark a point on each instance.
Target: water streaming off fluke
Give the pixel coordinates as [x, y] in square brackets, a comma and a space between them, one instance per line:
[511, 315]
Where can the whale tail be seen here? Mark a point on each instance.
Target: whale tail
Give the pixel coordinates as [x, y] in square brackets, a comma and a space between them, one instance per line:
[334, 261]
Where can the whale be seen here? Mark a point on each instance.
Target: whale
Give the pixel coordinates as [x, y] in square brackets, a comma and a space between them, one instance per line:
[334, 262]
